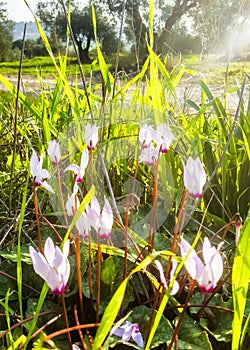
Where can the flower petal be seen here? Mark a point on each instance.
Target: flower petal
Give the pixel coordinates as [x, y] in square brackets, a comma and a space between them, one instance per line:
[40, 264]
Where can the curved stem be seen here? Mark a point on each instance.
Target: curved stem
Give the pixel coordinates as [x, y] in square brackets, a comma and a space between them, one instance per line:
[39, 237]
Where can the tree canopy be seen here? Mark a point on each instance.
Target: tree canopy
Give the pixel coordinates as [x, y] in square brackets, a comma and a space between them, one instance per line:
[53, 17]
[6, 34]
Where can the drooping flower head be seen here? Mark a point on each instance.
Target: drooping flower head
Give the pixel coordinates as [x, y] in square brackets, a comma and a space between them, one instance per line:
[106, 220]
[91, 136]
[53, 266]
[83, 226]
[176, 286]
[194, 177]
[149, 155]
[129, 332]
[206, 273]
[153, 142]
[79, 171]
[38, 173]
[166, 137]
[100, 219]
[73, 202]
[54, 152]
[145, 135]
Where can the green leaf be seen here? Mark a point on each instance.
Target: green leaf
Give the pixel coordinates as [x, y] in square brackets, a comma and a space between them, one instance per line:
[108, 272]
[240, 282]
[193, 337]
[220, 321]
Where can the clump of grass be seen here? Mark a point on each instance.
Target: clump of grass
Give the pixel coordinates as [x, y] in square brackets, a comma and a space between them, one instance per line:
[117, 280]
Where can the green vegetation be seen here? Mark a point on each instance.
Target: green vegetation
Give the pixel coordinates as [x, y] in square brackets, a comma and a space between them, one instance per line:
[118, 279]
[45, 65]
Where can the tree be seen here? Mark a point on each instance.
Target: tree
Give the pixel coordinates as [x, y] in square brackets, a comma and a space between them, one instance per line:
[221, 23]
[54, 20]
[33, 47]
[6, 34]
[167, 14]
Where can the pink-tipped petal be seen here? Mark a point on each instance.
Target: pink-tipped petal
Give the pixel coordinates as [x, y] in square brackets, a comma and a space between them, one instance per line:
[91, 136]
[194, 177]
[54, 152]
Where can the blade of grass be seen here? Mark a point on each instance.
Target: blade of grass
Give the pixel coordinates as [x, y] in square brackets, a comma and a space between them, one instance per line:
[107, 77]
[240, 282]
[41, 300]
[19, 260]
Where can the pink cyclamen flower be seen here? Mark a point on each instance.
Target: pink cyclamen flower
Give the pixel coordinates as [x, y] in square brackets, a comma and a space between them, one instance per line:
[106, 220]
[153, 142]
[79, 171]
[83, 225]
[194, 177]
[53, 266]
[175, 287]
[166, 137]
[149, 155]
[38, 173]
[206, 274]
[91, 136]
[75, 347]
[100, 220]
[73, 202]
[129, 332]
[145, 135]
[54, 152]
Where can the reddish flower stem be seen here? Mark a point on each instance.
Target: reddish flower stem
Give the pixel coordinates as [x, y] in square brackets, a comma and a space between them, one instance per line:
[39, 237]
[79, 275]
[66, 321]
[61, 194]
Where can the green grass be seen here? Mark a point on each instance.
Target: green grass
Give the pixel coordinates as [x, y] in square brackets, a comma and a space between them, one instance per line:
[205, 129]
[45, 65]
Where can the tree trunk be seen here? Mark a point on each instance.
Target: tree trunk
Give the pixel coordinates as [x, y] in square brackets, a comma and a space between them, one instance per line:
[84, 53]
[180, 8]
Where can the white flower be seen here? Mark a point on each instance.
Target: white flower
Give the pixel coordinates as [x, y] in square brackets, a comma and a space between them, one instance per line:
[79, 171]
[100, 220]
[38, 173]
[194, 177]
[83, 225]
[166, 137]
[73, 202]
[53, 266]
[153, 142]
[75, 347]
[128, 332]
[149, 155]
[106, 220]
[176, 286]
[145, 135]
[54, 152]
[91, 136]
[206, 274]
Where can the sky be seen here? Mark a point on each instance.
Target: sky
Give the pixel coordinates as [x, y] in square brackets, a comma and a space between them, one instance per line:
[18, 10]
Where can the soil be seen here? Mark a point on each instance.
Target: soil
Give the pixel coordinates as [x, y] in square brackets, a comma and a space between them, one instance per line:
[185, 91]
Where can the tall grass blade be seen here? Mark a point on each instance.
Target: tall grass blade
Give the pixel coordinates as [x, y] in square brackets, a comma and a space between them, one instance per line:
[19, 262]
[41, 300]
[240, 282]
[107, 77]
